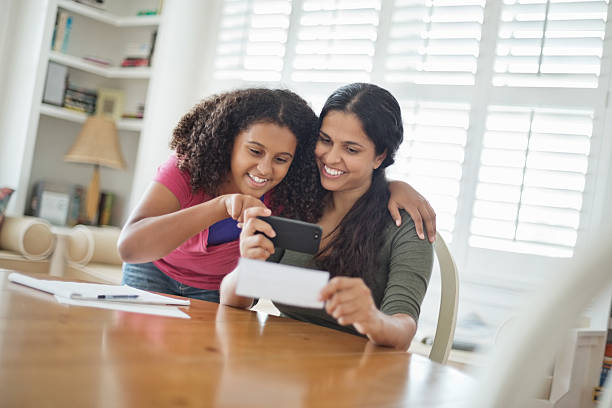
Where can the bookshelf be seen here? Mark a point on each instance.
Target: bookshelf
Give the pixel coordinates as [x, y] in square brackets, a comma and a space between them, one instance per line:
[107, 17]
[134, 125]
[106, 72]
[104, 34]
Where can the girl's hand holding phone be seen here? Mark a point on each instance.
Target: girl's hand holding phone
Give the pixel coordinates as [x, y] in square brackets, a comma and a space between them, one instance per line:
[253, 245]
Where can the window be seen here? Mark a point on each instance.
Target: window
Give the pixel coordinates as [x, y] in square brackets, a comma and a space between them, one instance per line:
[503, 103]
[252, 40]
[434, 42]
[335, 41]
[431, 157]
[546, 43]
[531, 180]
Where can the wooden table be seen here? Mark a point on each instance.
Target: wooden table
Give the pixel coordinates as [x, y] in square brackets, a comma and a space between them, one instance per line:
[53, 355]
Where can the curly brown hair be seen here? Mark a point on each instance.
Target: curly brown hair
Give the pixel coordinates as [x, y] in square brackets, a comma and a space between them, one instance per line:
[204, 139]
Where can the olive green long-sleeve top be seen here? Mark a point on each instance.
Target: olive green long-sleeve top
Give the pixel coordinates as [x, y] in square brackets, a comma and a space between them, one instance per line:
[406, 262]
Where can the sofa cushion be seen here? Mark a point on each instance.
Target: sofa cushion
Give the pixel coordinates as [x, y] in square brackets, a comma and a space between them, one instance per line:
[89, 244]
[31, 237]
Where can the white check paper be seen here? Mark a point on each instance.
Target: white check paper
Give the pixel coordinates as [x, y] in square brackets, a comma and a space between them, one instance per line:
[280, 283]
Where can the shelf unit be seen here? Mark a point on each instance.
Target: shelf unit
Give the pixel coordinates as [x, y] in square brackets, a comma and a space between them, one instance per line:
[134, 125]
[105, 34]
[107, 17]
[103, 71]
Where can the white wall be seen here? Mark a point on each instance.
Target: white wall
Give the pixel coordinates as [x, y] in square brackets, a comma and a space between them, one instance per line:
[180, 57]
[6, 11]
[21, 46]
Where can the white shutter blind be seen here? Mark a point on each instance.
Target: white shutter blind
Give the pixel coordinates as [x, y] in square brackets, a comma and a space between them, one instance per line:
[546, 43]
[531, 180]
[252, 39]
[434, 41]
[335, 41]
[431, 156]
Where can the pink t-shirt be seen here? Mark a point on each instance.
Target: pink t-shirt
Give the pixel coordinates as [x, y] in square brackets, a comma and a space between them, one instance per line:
[194, 263]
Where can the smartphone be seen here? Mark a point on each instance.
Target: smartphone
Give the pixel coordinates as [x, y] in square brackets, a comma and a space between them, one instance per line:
[294, 234]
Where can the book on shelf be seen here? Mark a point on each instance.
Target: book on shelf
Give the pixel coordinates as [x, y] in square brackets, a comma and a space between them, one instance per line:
[80, 99]
[153, 39]
[55, 84]
[135, 62]
[136, 55]
[605, 375]
[147, 12]
[61, 34]
[105, 208]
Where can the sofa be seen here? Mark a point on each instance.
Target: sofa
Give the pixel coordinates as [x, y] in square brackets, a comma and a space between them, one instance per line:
[30, 244]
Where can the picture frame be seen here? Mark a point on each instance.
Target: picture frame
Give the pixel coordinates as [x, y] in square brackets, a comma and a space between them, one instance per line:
[110, 103]
[57, 203]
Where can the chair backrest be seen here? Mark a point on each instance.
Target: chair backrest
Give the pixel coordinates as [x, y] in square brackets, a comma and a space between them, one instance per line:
[447, 317]
[525, 352]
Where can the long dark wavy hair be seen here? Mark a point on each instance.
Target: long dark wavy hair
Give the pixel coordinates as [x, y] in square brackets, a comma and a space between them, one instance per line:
[356, 241]
[204, 139]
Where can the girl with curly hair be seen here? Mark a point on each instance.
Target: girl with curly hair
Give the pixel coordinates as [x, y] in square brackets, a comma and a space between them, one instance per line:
[380, 272]
[240, 149]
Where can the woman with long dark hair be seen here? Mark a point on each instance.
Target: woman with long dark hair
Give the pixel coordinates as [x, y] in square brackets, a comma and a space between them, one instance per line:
[380, 272]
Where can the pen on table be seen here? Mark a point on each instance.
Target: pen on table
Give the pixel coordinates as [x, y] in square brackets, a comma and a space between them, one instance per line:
[103, 297]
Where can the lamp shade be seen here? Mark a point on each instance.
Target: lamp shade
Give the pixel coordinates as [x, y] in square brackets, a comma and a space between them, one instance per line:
[97, 143]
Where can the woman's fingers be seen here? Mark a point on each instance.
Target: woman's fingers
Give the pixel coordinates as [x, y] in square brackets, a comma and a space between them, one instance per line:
[255, 246]
[357, 316]
[349, 301]
[334, 285]
[257, 253]
[418, 220]
[345, 308]
[252, 244]
[254, 212]
[345, 295]
[255, 225]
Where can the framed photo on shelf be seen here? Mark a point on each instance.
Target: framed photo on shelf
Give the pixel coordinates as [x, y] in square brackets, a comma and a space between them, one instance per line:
[110, 103]
[57, 203]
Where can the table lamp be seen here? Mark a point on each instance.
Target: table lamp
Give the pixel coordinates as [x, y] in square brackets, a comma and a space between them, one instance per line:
[97, 144]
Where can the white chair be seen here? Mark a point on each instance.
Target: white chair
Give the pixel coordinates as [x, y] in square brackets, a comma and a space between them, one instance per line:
[524, 355]
[447, 317]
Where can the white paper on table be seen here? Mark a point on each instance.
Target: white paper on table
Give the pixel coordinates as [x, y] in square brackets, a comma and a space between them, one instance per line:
[160, 310]
[92, 290]
[286, 284]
